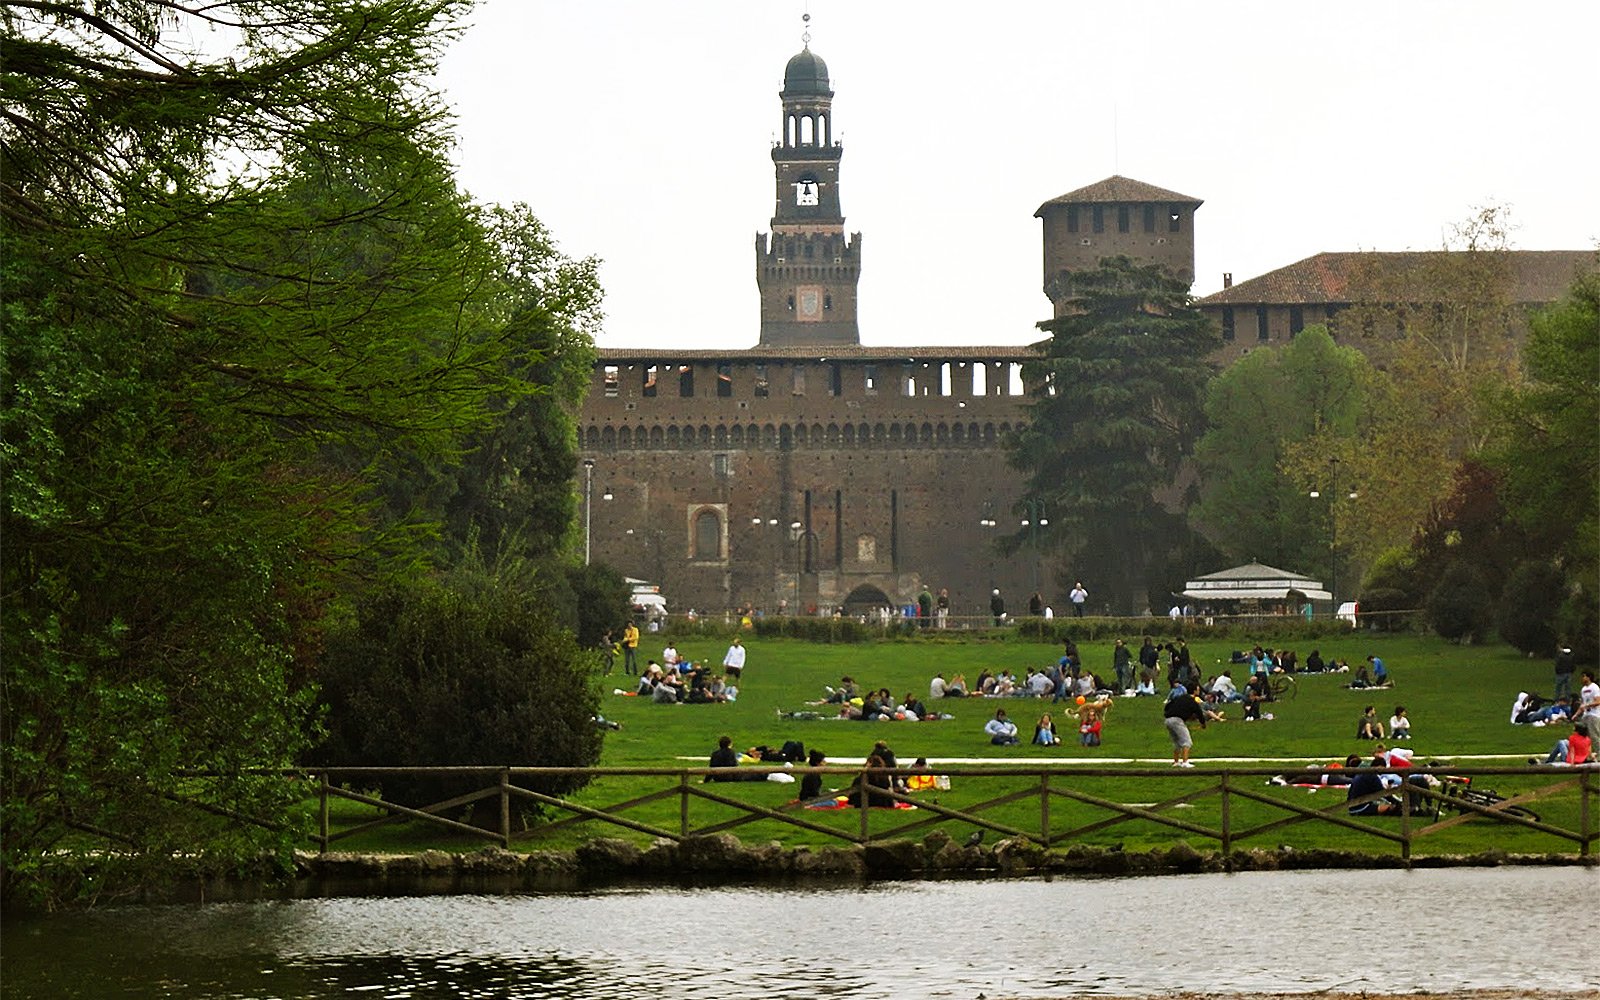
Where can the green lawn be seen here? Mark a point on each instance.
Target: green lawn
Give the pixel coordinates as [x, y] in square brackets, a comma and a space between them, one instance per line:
[1458, 698]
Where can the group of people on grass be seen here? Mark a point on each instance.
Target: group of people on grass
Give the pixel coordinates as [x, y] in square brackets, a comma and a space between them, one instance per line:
[677, 680]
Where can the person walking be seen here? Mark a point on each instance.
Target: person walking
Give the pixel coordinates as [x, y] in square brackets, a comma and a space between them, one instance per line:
[1078, 596]
[942, 608]
[925, 608]
[733, 660]
[1122, 664]
[997, 607]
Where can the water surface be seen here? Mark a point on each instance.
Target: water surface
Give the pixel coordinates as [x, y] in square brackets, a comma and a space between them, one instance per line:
[1385, 930]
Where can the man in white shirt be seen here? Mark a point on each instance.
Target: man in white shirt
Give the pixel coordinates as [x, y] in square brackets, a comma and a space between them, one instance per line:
[669, 656]
[1078, 596]
[936, 687]
[1588, 713]
[733, 662]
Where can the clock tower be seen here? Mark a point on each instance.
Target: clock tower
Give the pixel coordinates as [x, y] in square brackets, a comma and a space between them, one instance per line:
[807, 268]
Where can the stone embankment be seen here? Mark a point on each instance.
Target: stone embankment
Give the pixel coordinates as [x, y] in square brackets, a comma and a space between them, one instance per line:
[725, 857]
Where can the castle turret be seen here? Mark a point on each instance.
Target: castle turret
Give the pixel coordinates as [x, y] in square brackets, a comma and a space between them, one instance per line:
[1116, 216]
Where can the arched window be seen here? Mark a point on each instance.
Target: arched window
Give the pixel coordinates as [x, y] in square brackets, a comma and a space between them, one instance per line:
[707, 536]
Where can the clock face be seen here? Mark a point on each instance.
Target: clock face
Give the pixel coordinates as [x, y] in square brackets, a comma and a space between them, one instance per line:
[810, 302]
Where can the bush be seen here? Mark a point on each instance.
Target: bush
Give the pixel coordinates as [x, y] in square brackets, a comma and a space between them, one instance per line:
[456, 672]
[1384, 609]
[1458, 608]
[1529, 603]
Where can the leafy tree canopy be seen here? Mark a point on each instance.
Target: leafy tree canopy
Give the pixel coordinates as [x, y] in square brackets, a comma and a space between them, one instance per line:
[1258, 410]
[242, 295]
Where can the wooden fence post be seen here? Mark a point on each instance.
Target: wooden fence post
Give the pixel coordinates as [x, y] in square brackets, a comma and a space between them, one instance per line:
[683, 804]
[1585, 814]
[864, 797]
[1227, 825]
[322, 814]
[505, 808]
[1044, 808]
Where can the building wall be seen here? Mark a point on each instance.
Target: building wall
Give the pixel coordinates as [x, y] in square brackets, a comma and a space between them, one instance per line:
[888, 478]
[1262, 325]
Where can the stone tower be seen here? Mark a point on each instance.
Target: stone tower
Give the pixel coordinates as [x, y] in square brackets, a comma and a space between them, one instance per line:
[807, 268]
[1116, 216]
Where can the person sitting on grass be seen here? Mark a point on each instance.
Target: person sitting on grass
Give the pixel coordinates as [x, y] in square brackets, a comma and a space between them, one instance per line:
[1002, 731]
[1044, 732]
[1091, 715]
[1368, 727]
[725, 756]
[876, 785]
[1399, 724]
[811, 784]
[1575, 749]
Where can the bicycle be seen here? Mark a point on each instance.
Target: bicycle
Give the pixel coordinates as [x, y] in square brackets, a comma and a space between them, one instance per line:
[1282, 687]
[1458, 790]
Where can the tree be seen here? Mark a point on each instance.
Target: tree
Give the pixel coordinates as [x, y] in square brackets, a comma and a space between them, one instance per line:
[1529, 603]
[457, 670]
[516, 480]
[1258, 410]
[1442, 326]
[1547, 448]
[1459, 605]
[1116, 412]
[239, 287]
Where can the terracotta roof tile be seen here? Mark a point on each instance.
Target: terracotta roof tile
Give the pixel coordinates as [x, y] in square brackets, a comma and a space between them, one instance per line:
[1539, 276]
[1118, 189]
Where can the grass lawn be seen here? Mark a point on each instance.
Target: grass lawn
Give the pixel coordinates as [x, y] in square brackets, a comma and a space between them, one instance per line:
[1458, 698]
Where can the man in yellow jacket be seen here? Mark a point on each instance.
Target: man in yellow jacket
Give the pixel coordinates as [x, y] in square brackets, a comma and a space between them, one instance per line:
[630, 649]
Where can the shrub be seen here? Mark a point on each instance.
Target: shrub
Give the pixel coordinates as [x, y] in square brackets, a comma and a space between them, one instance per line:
[456, 672]
[1383, 609]
[1529, 603]
[1458, 608]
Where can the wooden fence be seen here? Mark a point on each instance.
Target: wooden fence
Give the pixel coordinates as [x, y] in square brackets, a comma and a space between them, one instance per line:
[1422, 810]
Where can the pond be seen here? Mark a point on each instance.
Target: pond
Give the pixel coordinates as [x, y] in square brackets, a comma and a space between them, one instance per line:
[1394, 930]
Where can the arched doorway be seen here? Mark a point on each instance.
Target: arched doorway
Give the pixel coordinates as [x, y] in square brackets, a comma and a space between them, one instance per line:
[866, 601]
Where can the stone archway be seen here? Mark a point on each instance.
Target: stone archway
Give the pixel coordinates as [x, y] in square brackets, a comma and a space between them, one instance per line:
[866, 599]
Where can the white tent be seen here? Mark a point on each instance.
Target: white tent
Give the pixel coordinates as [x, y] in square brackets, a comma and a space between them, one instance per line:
[1255, 582]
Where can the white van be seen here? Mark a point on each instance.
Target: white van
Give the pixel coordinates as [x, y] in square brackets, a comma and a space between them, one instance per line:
[646, 599]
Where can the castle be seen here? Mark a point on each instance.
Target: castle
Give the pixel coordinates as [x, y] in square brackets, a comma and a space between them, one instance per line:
[812, 472]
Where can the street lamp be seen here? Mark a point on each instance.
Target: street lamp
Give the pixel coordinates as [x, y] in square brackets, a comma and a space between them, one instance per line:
[1036, 510]
[988, 523]
[800, 535]
[588, 505]
[1333, 526]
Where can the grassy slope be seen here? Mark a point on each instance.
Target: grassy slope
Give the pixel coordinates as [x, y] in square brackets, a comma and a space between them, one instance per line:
[1458, 697]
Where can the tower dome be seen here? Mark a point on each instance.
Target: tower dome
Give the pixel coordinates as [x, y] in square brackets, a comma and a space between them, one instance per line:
[806, 76]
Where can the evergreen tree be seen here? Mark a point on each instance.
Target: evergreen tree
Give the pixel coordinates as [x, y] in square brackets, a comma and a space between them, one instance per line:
[1116, 412]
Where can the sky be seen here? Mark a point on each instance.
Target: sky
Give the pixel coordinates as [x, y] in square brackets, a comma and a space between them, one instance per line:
[640, 133]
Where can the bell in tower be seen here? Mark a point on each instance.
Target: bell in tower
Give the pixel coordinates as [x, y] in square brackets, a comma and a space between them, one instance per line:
[807, 268]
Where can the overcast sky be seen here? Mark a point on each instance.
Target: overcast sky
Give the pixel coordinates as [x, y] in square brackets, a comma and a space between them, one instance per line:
[640, 132]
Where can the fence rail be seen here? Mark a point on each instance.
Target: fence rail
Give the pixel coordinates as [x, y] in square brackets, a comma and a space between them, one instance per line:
[1422, 811]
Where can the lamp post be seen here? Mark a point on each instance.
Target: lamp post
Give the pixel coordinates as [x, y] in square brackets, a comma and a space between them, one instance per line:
[1333, 527]
[1036, 511]
[588, 505]
[988, 523]
[770, 522]
[800, 534]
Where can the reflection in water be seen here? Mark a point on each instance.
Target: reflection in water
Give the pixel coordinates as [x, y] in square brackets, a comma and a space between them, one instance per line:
[1239, 933]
